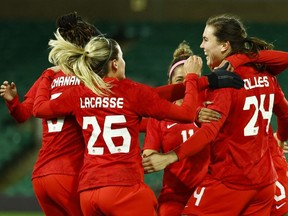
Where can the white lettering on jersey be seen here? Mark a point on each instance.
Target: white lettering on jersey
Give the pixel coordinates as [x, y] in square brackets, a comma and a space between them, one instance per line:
[282, 195]
[65, 81]
[108, 134]
[256, 82]
[55, 126]
[252, 128]
[199, 195]
[101, 102]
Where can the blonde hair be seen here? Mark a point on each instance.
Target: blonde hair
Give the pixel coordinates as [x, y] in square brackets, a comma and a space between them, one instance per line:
[87, 62]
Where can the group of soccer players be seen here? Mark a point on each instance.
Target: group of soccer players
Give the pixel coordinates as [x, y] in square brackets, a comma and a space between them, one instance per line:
[217, 143]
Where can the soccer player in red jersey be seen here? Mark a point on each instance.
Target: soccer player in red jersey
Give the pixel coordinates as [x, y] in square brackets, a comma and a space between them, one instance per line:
[276, 61]
[179, 179]
[109, 108]
[241, 178]
[55, 174]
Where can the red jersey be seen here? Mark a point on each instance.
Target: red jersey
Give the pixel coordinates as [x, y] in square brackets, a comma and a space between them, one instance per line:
[62, 147]
[276, 62]
[180, 177]
[110, 126]
[240, 148]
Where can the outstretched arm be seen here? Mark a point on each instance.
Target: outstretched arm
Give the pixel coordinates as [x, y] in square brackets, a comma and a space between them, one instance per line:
[276, 61]
[219, 78]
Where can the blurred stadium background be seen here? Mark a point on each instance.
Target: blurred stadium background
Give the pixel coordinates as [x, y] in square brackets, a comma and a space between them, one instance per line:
[147, 30]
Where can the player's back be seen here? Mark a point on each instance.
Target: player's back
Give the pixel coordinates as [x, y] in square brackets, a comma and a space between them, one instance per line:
[241, 154]
[62, 147]
[111, 130]
[110, 125]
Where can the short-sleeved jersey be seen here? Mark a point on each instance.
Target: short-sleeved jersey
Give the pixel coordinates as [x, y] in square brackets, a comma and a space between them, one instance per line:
[110, 126]
[180, 177]
[240, 150]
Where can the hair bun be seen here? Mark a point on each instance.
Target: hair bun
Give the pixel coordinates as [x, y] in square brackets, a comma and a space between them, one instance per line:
[183, 49]
[68, 21]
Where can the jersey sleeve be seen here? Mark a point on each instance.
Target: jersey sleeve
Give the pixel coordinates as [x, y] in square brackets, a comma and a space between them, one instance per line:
[147, 103]
[199, 140]
[22, 111]
[153, 135]
[171, 92]
[175, 92]
[208, 131]
[46, 108]
[276, 61]
[143, 125]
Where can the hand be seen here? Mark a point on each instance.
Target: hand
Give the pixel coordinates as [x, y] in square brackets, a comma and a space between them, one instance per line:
[7, 91]
[193, 65]
[207, 115]
[158, 161]
[148, 152]
[221, 78]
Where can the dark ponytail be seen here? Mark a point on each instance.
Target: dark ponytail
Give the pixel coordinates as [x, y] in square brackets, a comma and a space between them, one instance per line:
[75, 30]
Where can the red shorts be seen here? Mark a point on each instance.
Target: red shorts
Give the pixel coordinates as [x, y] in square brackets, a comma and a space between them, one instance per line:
[57, 195]
[133, 200]
[213, 198]
[280, 206]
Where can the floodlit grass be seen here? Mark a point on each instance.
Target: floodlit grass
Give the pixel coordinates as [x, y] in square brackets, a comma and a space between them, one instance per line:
[21, 214]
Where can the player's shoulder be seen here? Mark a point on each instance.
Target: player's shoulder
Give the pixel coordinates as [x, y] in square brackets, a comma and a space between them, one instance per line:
[134, 85]
[48, 72]
[55, 69]
[130, 82]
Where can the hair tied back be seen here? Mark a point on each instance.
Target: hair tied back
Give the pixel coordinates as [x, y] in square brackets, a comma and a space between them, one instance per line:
[67, 22]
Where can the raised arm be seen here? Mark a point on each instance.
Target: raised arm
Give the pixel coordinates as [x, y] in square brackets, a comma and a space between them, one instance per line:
[20, 111]
[59, 106]
[276, 61]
